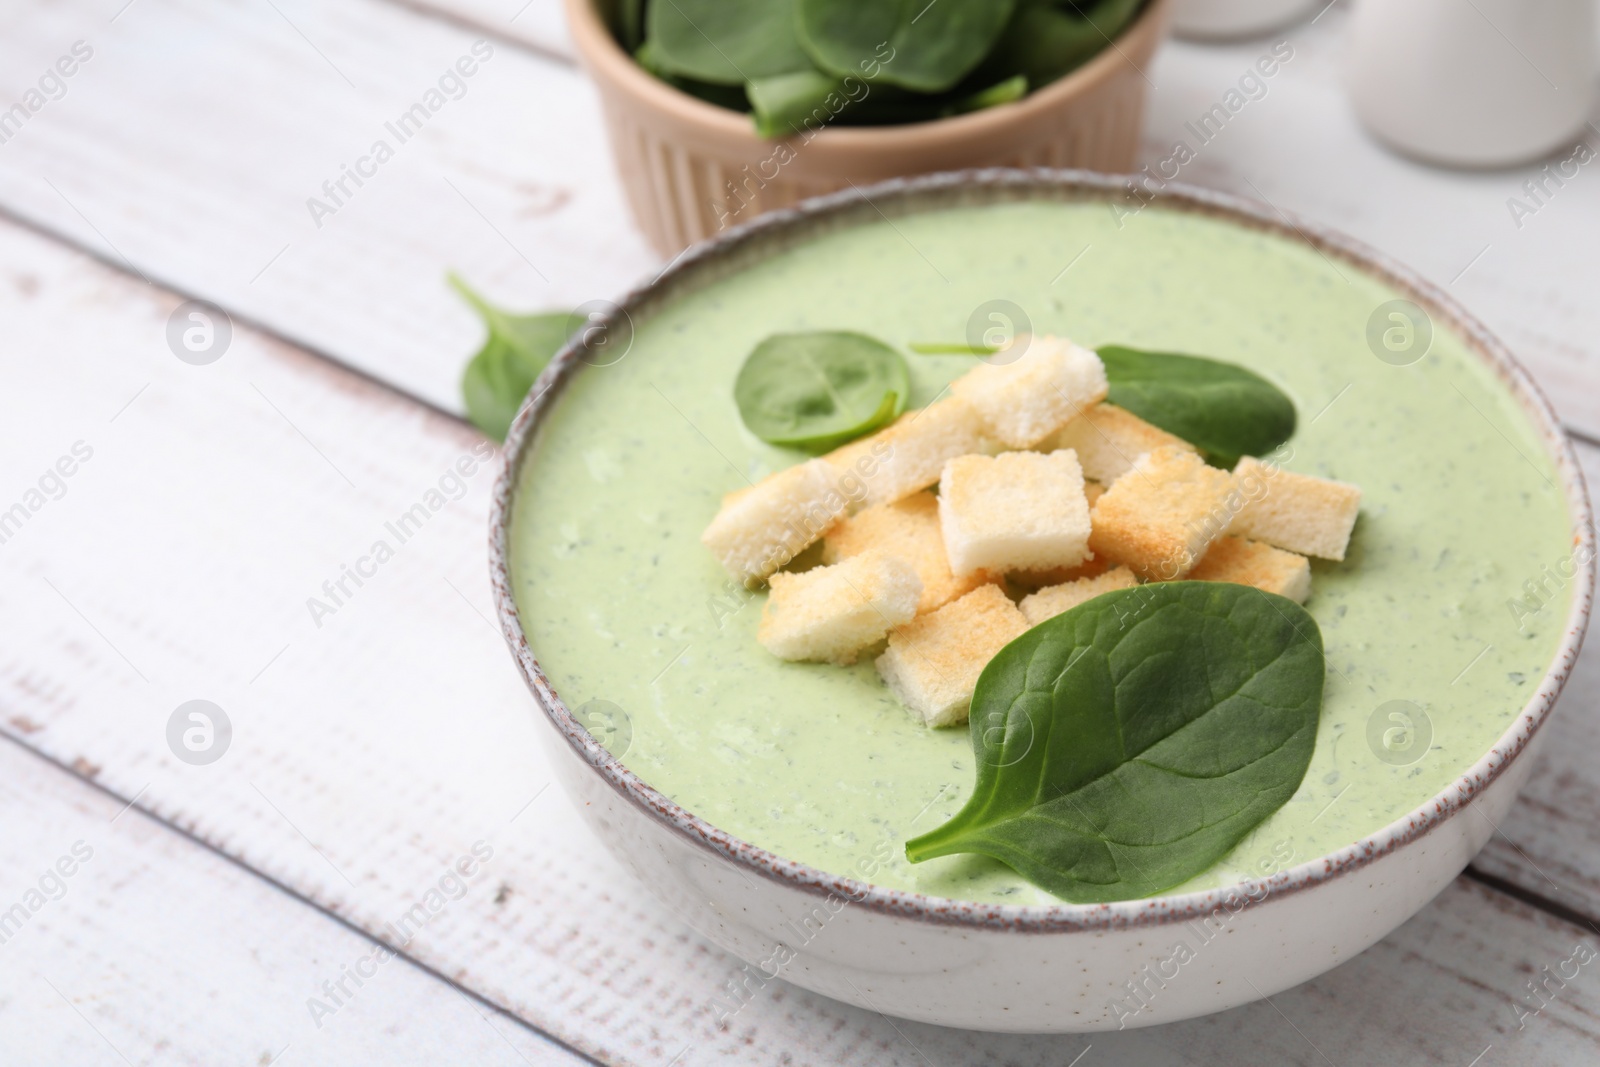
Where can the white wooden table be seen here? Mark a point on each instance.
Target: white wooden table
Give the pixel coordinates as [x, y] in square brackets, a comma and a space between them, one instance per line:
[369, 753]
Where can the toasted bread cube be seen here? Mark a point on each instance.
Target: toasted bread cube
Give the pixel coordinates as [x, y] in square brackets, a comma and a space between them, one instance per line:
[1162, 515]
[1234, 559]
[1014, 511]
[909, 529]
[830, 614]
[1296, 512]
[1049, 602]
[1033, 388]
[1108, 439]
[933, 661]
[1035, 580]
[907, 456]
[761, 528]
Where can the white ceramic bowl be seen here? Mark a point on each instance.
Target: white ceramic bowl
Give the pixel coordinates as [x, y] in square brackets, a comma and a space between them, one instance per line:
[1034, 968]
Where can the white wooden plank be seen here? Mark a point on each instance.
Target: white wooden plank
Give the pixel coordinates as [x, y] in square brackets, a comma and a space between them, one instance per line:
[372, 750]
[192, 140]
[141, 944]
[539, 24]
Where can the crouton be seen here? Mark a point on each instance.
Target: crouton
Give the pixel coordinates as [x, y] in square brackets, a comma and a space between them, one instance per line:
[1108, 439]
[1162, 515]
[1234, 559]
[1014, 511]
[1031, 389]
[1296, 512]
[933, 662]
[1035, 580]
[908, 529]
[907, 456]
[761, 528]
[830, 614]
[1049, 602]
[1038, 579]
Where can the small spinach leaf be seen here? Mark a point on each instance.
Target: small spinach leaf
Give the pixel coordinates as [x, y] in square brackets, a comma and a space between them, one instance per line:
[1009, 91]
[815, 391]
[499, 376]
[725, 42]
[934, 45]
[782, 103]
[1127, 745]
[1221, 408]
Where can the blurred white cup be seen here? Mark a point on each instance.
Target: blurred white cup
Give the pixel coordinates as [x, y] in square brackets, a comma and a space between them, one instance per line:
[1474, 83]
[1226, 19]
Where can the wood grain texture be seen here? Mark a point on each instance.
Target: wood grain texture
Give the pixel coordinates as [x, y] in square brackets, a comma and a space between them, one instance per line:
[156, 950]
[380, 745]
[189, 145]
[192, 141]
[370, 752]
[537, 24]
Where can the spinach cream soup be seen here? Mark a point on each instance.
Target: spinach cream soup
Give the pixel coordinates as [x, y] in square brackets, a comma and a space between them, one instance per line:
[1427, 662]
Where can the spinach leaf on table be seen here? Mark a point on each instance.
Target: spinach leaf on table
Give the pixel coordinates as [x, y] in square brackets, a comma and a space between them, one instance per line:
[815, 391]
[499, 376]
[1221, 408]
[1127, 745]
[934, 45]
[724, 42]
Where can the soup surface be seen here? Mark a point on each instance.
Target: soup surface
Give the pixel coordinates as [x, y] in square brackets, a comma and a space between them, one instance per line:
[820, 764]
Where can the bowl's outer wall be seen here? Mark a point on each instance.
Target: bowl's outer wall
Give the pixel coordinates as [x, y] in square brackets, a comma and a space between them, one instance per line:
[690, 169]
[1034, 968]
[984, 979]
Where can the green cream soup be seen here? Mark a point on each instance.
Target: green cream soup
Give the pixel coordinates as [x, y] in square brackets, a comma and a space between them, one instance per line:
[819, 763]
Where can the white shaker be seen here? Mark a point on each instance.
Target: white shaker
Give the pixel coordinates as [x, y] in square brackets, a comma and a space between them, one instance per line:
[1474, 83]
[1227, 19]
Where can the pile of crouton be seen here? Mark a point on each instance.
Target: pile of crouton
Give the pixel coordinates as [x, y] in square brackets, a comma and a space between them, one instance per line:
[1041, 489]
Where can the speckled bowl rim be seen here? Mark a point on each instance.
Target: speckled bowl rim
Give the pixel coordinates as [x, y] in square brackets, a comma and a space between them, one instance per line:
[1000, 185]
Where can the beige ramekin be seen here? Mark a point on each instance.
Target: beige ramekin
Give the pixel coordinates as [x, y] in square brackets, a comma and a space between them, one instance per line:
[691, 169]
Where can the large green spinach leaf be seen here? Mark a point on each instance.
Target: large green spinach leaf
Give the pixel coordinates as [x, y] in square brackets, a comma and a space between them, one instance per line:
[1221, 408]
[930, 46]
[725, 42]
[1127, 745]
[728, 96]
